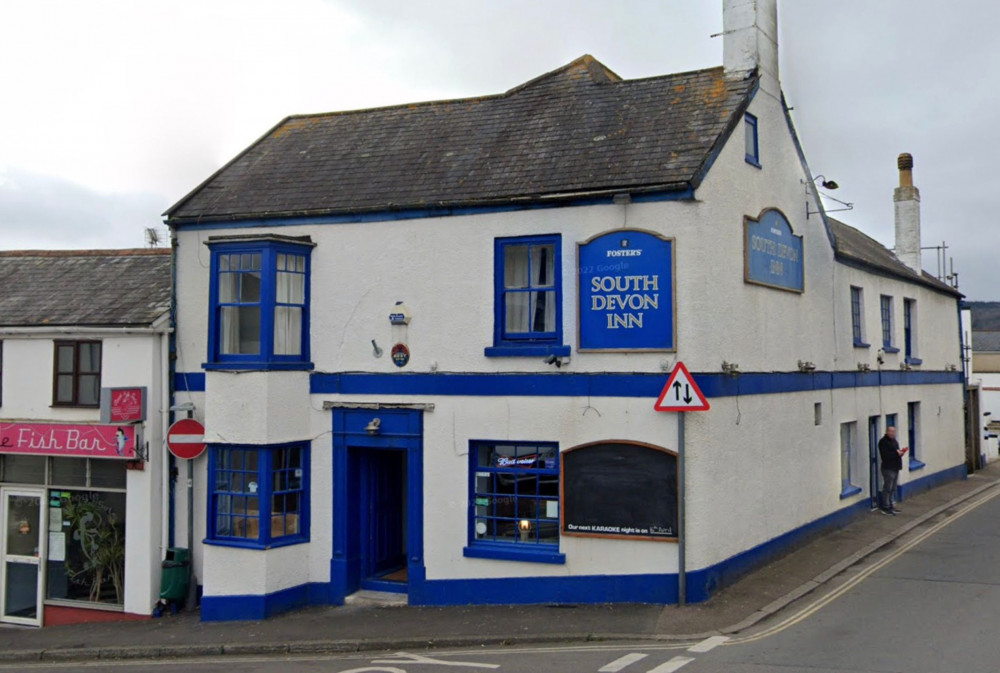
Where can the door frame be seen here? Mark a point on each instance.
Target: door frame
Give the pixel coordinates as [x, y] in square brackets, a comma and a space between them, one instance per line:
[874, 435]
[38, 561]
[399, 427]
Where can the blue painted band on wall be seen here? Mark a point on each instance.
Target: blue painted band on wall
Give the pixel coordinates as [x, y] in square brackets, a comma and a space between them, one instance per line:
[647, 588]
[599, 384]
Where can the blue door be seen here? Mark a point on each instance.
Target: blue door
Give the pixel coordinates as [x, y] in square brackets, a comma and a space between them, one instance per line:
[383, 523]
[377, 501]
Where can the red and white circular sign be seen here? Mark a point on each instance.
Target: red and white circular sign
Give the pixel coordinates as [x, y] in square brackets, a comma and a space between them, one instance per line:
[186, 438]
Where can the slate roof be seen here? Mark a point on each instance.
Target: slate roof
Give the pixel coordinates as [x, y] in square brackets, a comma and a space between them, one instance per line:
[84, 288]
[578, 129]
[986, 341]
[852, 245]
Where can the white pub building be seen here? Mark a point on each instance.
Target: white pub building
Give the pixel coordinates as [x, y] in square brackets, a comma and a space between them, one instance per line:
[426, 343]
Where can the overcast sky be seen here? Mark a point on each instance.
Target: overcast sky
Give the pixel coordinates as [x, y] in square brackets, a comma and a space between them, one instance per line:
[112, 110]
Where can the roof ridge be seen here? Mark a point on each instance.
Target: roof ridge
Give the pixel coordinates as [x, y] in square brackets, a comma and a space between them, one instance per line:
[596, 69]
[109, 252]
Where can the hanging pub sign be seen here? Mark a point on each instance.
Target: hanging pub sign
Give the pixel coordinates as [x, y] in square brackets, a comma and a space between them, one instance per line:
[69, 439]
[123, 405]
[627, 292]
[772, 252]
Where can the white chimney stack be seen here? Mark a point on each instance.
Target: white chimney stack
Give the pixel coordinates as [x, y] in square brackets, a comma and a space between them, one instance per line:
[907, 198]
[750, 41]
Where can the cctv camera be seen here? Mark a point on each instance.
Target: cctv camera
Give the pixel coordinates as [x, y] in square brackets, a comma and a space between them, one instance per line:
[551, 360]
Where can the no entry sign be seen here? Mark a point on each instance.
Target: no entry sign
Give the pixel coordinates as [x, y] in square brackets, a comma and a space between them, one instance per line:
[186, 438]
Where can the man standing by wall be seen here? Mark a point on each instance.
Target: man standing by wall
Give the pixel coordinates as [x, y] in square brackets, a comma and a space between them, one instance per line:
[892, 463]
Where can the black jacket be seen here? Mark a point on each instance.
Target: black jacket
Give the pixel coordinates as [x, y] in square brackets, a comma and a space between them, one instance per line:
[888, 449]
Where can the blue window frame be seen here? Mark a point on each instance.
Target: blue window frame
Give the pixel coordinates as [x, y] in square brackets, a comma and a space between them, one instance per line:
[514, 501]
[751, 140]
[858, 317]
[848, 441]
[913, 434]
[885, 304]
[528, 297]
[259, 495]
[259, 304]
[910, 332]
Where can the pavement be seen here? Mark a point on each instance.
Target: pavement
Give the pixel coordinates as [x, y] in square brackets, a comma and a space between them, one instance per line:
[813, 567]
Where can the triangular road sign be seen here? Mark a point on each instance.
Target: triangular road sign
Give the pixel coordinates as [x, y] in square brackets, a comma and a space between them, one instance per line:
[681, 392]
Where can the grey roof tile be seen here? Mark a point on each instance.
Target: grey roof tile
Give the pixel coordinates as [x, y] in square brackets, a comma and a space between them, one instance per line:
[853, 245]
[580, 128]
[86, 288]
[986, 341]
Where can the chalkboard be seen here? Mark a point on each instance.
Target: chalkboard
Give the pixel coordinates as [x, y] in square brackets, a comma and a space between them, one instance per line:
[619, 489]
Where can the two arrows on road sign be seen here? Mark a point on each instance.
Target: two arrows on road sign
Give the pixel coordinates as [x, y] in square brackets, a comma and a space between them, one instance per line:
[681, 392]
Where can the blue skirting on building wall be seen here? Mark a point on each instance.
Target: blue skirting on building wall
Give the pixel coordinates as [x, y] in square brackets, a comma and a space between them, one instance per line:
[597, 384]
[647, 588]
[929, 481]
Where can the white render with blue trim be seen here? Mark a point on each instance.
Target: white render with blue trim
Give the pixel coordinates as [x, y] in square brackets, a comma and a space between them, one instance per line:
[758, 466]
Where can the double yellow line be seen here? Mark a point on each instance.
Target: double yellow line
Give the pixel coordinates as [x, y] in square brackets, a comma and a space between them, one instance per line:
[822, 602]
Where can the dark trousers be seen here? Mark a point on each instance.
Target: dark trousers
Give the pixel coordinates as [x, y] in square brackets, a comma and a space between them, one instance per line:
[886, 495]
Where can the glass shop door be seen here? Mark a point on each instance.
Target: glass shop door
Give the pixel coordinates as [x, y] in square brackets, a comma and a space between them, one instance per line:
[22, 549]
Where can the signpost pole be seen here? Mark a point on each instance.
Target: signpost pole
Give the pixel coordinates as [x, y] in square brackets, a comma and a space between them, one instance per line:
[681, 528]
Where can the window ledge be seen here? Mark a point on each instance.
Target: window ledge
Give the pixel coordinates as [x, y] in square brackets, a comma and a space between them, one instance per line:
[753, 162]
[250, 544]
[914, 361]
[527, 350]
[915, 465]
[890, 349]
[258, 366]
[515, 552]
[861, 344]
[849, 491]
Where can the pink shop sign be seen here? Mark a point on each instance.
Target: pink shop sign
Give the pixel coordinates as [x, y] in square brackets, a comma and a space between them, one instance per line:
[68, 439]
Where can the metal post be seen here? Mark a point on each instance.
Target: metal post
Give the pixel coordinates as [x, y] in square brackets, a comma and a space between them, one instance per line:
[192, 589]
[681, 528]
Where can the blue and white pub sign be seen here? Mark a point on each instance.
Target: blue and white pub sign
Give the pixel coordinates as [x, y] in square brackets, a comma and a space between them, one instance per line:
[772, 253]
[627, 292]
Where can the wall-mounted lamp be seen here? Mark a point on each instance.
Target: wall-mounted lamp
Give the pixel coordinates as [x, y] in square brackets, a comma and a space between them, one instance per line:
[826, 184]
[730, 368]
[864, 367]
[880, 356]
[525, 527]
[373, 427]
[806, 366]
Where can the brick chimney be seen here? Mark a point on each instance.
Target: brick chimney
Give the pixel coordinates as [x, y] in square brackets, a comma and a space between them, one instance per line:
[750, 40]
[907, 198]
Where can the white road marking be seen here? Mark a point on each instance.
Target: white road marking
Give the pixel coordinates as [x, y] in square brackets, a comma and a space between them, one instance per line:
[407, 658]
[708, 644]
[622, 662]
[673, 665]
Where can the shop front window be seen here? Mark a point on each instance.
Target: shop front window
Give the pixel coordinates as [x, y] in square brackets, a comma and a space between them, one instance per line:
[86, 553]
[86, 524]
[515, 501]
